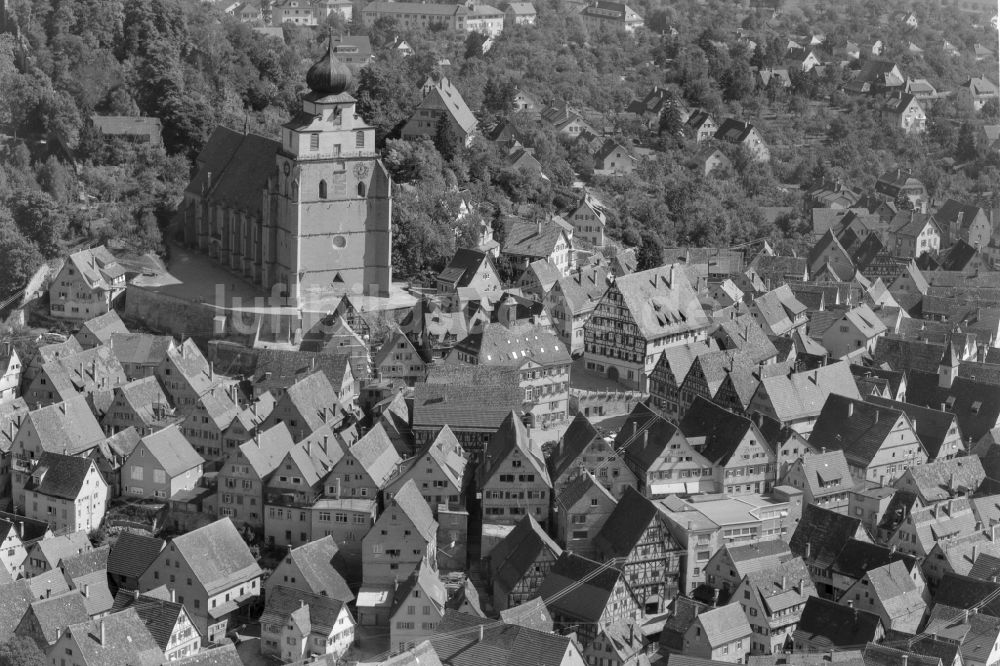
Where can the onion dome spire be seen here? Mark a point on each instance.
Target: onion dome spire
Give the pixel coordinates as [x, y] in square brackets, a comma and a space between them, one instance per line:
[328, 76]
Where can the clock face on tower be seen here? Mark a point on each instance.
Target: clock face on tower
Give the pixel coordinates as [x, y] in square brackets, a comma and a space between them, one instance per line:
[361, 170]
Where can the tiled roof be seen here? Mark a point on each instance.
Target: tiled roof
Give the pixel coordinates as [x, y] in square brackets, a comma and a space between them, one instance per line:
[529, 238]
[781, 587]
[422, 654]
[97, 266]
[585, 602]
[517, 552]
[18, 596]
[680, 358]
[58, 612]
[975, 404]
[126, 641]
[624, 528]
[458, 644]
[160, 615]
[644, 449]
[531, 614]
[376, 454]
[584, 287]
[172, 451]
[409, 500]
[840, 625]
[267, 449]
[96, 592]
[574, 441]
[821, 534]
[882, 655]
[965, 592]
[577, 489]
[131, 554]
[426, 579]
[62, 476]
[104, 326]
[87, 562]
[514, 346]
[976, 633]
[68, 426]
[233, 169]
[217, 555]
[858, 557]
[462, 405]
[512, 436]
[315, 561]
[779, 269]
[722, 429]
[140, 348]
[54, 549]
[463, 266]
[661, 301]
[827, 473]
[946, 520]
[803, 394]
[724, 625]
[943, 479]
[282, 601]
[901, 599]
[856, 427]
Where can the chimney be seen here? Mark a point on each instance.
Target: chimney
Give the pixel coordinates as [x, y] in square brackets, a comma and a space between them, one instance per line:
[850, 409]
[850, 603]
[135, 593]
[690, 525]
[876, 416]
[645, 437]
[481, 626]
[86, 590]
[538, 231]
[211, 370]
[784, 582]
[808, 549]
[903, 657]
[100, 624]
[173, 596]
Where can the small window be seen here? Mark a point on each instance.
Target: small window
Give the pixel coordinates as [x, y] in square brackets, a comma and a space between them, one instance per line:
[359, 139]
[314, 141]
[322, 189]
[361, 190]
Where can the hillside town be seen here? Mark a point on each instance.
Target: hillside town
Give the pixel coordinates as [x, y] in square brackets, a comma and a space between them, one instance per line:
[545, 334]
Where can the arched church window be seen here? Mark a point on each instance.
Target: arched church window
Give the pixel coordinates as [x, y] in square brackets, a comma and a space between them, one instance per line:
[361, 190]
[322, 189]
[359, 139]
[295, 191]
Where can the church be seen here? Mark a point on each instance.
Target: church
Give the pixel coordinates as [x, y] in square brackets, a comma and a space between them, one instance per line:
[311, 212]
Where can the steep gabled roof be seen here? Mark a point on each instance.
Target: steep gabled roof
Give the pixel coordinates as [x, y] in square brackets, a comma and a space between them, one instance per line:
[517, 552]
[131, 554]
[821, 534]
[119, 639]
[217, 555]
[172, 451]
[315, 561]
[856, 427]
[513, 437]
[624, 528]
[840, 625]
[564, 594]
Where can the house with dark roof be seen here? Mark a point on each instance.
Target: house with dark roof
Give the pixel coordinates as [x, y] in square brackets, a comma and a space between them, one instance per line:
[898, 183]
[133, 129]
[68, 492]
[403, 537]
[425, 594]
[520, 562]
[818, 539]
[585, 593]
[86, 372]
[974, 634]
[796, 399]
[896, 593]
[46, 619]
[729, 565]
[772, 600]
[572, 299]
[439, 470]
[746, 135]
[879, 442]
[531, 240]
[660, 457]
[857, 557]
[212, 572]
[962, 221]
[131, 554]
[513, 476]
[923, 527]
[775, 270]
[903, 110]
[741, 460]
[298, 625]
[854, 333]
[467, 640]
[166, 620]
[826, 624]
[90, 283]
[637, 538]
[469, 268]
[613, 159]
[824, 479]
[88, 573]
[581, 449]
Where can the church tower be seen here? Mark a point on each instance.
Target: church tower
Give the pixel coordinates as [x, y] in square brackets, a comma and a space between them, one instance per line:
[328, 213]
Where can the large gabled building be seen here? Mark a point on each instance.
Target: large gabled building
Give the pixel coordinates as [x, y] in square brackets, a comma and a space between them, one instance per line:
[442, 103]
[90, 283]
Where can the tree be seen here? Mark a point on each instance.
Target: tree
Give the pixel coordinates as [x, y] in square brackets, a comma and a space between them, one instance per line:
[21, 651]
[40, 219]
[21, 257]
[498, 95]
[386, 98]
[965, 149]
[448, 140]
[56, 179]
[650, 253]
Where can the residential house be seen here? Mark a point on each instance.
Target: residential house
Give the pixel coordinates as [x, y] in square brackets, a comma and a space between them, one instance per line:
[244, 473]
[530, 240]
[778, 312]
[519, 13]
[16, 535]
[731, 563]
[637, 539]
[442, 103]
[824, 478]
[513, 478]
[541, 360]
[162, 464]
[912, 234]
[920, 528]
[535, 281]
[45, 619]
[877, 77]
[90, 283]
[937, 429]
[119, 639]
[942, 480]
[829, 253]
[417, 608]
[721, 634]
[566, 120]
[796, 400]
[581, 509]
[670, 372]
[130, 556]
[66, 491]
[772, 600]
[613, 159]
[903, 110]
[741, 460]
[967, 222]
[167, 621]
[879, 443]
[639, 316]
[826, 625]
[469, 269]
[366, 467]
[399, 359]
[10, 374]
[211, 571]
[587, 594]
[85, 372]
[139, 404]
[857, 558]
[132, 129]
[439, 471]
[589, 220]
[977, 91]
[855, 333]
[306, 406]
[311, 568]
[46, 553]
[140, 353]
[897, 184]
[895, 593]
[571, 301]
[403, 537]
[611, 15]
[660, 457]
[520, 562]
[818, 539]
[701, 125]
[100, 330]
[619, 644]
[298, 625]
[976, 634]
[582, 449]
[746, 135]
[458, 642]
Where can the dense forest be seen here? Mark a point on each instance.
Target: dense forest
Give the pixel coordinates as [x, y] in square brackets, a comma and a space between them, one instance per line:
[193, 67]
